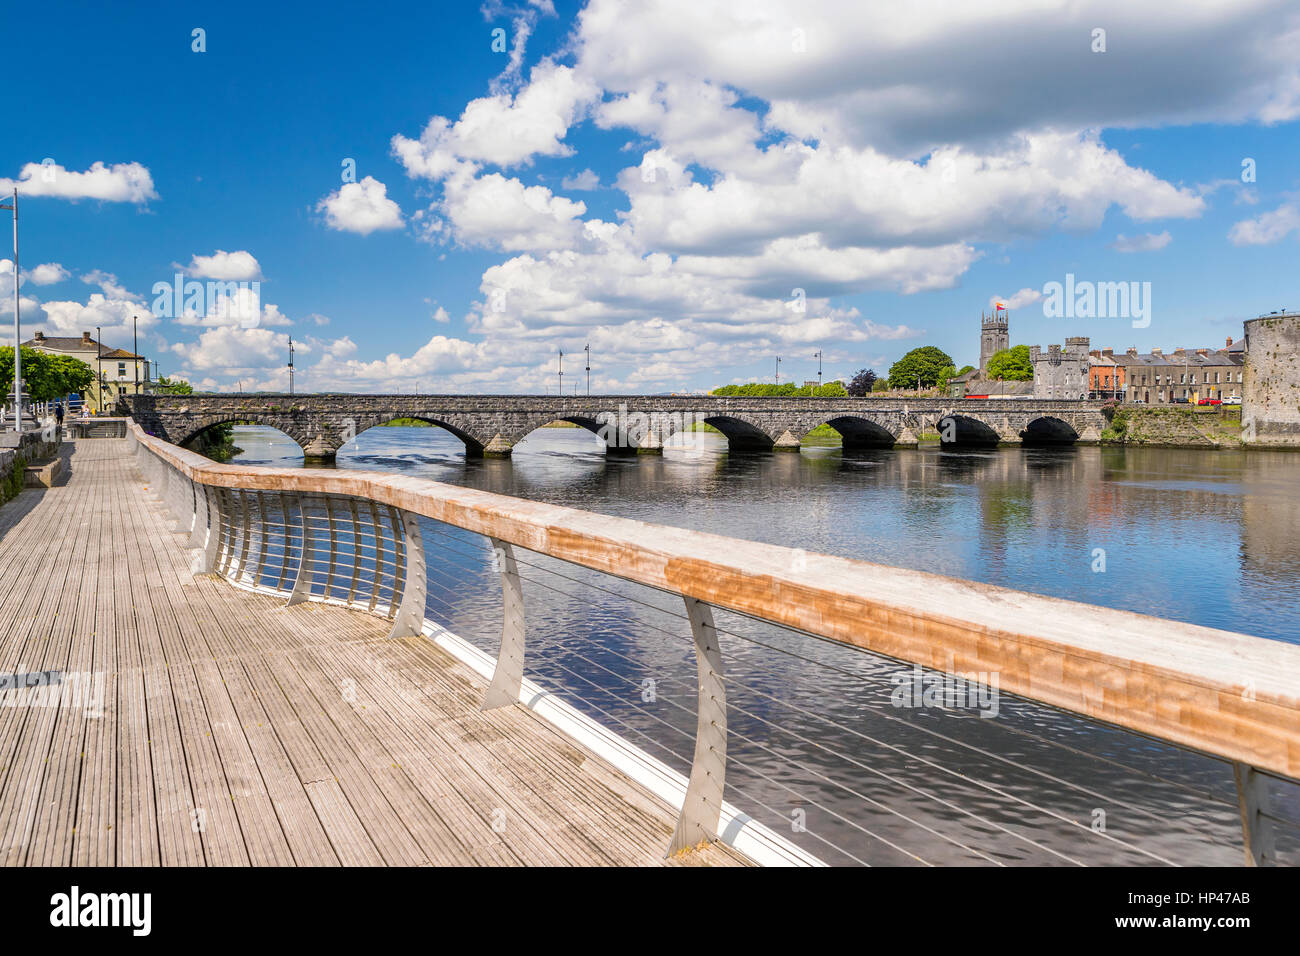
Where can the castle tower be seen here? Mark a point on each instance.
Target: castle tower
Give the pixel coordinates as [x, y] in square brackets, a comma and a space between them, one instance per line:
[994, 337]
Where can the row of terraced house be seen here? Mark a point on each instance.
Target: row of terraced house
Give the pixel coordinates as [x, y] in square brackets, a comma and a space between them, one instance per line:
[1160, 378]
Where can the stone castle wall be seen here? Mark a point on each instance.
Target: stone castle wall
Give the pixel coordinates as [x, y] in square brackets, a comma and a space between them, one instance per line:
[1271, 380]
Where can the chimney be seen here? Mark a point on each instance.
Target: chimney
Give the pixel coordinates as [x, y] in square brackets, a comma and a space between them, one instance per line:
[1109, 352]
[1180, 350]
[1202, 351]
[39, 337]
[1229, 345]
[1095, 353]
[85, 339]
[1157, 351]
[1131, 350]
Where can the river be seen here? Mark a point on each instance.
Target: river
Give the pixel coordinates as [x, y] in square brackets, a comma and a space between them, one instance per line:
[1208, 537]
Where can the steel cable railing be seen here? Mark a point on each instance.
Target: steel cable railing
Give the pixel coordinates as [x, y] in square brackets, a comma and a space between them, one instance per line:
[356, 540]
[668, 635]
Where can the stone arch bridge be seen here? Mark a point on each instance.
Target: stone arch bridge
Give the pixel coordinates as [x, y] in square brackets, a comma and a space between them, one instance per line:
[490, 425]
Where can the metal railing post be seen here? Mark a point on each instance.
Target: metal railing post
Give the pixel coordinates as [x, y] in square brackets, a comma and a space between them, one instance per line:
[208, 563]
[409, 621]
[199, 529]
[179, 487]
[1256, 828]
[702, 806]
[508, 676]
[302, 581]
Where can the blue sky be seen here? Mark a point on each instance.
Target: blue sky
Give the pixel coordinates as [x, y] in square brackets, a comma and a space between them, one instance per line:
[902, 167]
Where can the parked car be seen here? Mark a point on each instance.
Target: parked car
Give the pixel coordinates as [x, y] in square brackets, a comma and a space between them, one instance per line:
[1180, 401]
[1234, 400]
[1210, 401]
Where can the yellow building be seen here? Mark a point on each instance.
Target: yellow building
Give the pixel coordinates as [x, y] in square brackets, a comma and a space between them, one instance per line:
[118, 370]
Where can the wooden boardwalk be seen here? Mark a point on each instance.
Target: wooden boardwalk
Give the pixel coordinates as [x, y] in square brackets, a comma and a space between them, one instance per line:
[235, 731]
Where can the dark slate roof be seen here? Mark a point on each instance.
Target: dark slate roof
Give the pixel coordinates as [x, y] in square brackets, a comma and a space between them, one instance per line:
[76, 344]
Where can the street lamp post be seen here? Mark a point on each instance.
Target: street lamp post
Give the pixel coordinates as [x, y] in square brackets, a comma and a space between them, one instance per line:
[99, 364]
[778, 371]
[588, 351]
[18, 341]
[135, 347]
[291, 366]
[561, 351]
[818, 356]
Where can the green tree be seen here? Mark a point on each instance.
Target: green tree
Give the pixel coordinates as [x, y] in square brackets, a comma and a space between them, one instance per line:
[174, 386]
[1011, 365]
[880, 385]
[38, 374]
[945, 375]
[863, 382]
[72, 374]
[923, 365]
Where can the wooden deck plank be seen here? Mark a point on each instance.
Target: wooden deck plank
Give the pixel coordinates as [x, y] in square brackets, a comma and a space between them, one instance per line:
[236, 731]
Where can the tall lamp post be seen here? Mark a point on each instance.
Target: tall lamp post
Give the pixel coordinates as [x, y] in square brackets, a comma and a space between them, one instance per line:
[561, 351]
[99, 367]
[135, 347]
[778, 371]
[818, 357]
[291, 365]
[18, 341]
[588, 351]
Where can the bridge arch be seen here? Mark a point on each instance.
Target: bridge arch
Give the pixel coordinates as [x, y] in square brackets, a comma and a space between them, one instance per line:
[251, 418]
[966, 430]
[1049, 430]
[859, 432]
[741, 433]
[585, 422]
[473, 445]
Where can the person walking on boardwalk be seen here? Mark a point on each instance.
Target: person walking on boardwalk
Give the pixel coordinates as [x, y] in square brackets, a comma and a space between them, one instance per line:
[58, 414]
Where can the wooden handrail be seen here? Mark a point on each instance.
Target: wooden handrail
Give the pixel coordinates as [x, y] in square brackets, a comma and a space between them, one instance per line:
[1230, 695]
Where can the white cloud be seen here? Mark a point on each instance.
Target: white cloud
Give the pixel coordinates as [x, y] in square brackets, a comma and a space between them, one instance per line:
[906, 78]
[109, 285]
[1018, 301]
[239, 266]
[227, 303]
[361, 207]
[505, 214]
[502, 129]
[46, 273]
[121, 182]
[1268, 228]
[584, 181]
[231, 350]
[1148, 242]
[113, 316]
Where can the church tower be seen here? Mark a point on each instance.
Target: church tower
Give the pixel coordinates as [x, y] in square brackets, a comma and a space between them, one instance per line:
[994, 337]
